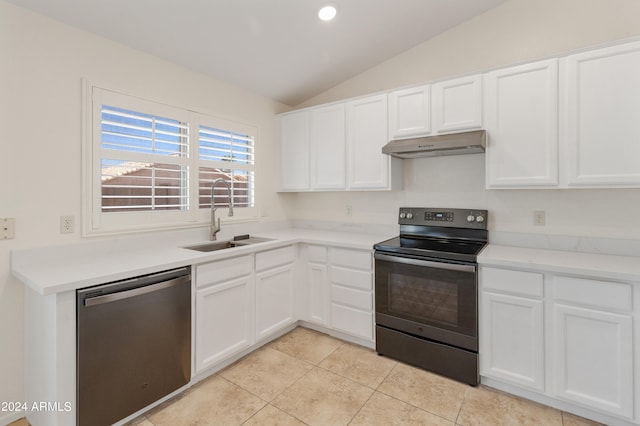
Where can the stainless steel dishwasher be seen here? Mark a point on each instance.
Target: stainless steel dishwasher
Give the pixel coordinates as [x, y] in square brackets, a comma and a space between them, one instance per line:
[133, 344]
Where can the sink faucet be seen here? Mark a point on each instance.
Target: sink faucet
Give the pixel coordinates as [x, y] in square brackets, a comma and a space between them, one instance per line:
[215, 228]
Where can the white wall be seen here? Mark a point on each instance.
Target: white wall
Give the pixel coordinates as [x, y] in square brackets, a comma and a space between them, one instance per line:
[515, 32]
[41, 66]
[42, 62]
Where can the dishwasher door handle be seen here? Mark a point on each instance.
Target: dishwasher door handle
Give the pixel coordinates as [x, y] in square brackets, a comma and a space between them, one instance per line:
[112, 297]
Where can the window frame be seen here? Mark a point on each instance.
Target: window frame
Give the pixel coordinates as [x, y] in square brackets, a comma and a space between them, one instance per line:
[96, 222]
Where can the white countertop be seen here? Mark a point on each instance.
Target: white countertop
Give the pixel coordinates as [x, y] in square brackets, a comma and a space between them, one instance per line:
[624, 268]
[57, 269]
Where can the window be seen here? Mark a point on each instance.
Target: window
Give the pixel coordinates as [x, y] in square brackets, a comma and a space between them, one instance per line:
[150, 165]
[157, 184]
[228, 156]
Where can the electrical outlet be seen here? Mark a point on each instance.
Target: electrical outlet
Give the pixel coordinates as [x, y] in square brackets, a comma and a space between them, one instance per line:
[67, 224]
[538, 218]
[7, 228]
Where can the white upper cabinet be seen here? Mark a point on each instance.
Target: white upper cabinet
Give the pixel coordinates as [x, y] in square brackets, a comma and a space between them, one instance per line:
[294, 151]
[410, 112]
[601, 90]
[337, 147]
[368, 168]
[457, 104]
[521, 118]
[447, 106]
[328, 149]
[567, 122]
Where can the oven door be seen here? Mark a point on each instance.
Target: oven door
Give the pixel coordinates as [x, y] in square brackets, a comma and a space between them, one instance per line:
[431, 299]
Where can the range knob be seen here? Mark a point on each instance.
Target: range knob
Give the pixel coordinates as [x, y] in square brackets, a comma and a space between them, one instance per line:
[409, 215]
[471, 218]
[403, 215]
[480, 219]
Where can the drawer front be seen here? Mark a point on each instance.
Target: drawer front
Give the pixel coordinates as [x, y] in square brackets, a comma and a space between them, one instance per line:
[357, 259]
[352, 297]
[510, 281]
[316, 254]
[350, 277]
[595, 293]
[352, 321]
[223, 270]
[272, 258]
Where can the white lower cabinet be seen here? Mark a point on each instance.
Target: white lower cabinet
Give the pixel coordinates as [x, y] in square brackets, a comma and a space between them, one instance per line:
[338, 292]
[315, 305]
[275, 292]
[512, 327]
[592, 343]
[351, 294]
[582, 327]
[224, 310]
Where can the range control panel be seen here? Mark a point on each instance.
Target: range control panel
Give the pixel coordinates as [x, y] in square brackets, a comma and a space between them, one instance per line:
[454, 218]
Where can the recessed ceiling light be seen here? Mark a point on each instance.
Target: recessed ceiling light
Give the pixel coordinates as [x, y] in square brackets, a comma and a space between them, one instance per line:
[327, 13]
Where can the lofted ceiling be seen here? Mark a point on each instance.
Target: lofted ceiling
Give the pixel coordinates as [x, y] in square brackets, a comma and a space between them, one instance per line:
[278, 48]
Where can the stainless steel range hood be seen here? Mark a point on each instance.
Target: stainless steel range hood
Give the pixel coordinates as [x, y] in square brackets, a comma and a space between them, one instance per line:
[472, 142]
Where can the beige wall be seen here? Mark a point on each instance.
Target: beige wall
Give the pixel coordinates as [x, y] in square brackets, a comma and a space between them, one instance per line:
[42, 63]
[515, 32]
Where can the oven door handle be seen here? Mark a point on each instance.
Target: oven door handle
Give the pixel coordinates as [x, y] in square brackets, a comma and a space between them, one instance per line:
[430, 264]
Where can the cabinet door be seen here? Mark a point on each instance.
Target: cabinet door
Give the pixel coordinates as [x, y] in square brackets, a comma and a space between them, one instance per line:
[294, 151]
[274, 301]
[512, 339]
[457, 104]
[410, 112]
[602, 89]
[366, 135]
[224, 321]
[318, 299]
[328, 149]
[521, 115]
[593, 357]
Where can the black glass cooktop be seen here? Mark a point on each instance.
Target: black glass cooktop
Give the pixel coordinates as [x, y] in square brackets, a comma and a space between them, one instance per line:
[438, 248]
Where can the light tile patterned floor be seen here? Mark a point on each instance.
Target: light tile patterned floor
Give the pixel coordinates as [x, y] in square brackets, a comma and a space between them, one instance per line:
[306, 377]
[309, 378]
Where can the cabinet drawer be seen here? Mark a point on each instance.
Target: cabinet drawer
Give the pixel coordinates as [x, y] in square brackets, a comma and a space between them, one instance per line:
[510, 281]
[351, 297]
[357, 259]
[352, 321]
[316, 254]
[223, 270]
[351, 278]
[596, 293]
[272, 258]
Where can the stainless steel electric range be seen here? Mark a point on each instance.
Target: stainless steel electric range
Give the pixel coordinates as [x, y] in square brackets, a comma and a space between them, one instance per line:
[426, 290]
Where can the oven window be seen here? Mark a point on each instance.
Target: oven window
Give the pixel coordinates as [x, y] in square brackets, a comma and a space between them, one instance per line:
[409, 295]
[436, 302]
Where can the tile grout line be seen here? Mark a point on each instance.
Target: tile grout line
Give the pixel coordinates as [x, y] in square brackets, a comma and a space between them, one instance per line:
[409, 403]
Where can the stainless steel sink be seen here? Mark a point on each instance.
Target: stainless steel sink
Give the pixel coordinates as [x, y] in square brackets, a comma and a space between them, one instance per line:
[212, 246]
[238, 241]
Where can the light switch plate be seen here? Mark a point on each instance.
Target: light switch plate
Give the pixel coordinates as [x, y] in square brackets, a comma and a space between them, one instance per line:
[7, 228]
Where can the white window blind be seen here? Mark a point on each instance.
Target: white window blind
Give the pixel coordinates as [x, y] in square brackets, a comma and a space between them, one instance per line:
[160, 182]
[149, 165]
[229, 156]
